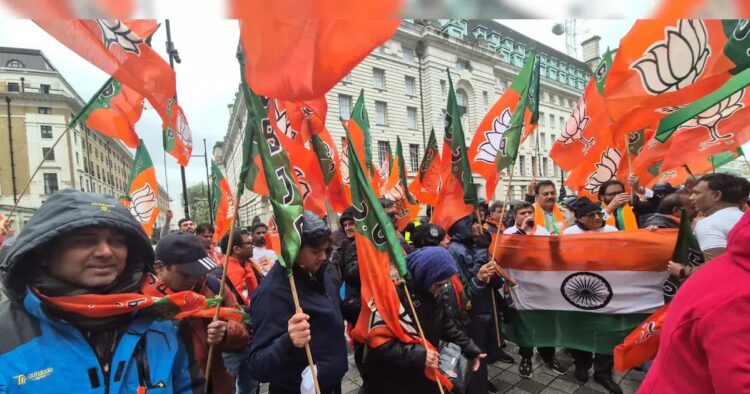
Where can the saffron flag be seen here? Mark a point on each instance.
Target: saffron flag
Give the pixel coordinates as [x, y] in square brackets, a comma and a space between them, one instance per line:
[489, 139]
[407, 207]
[141, 199]
[662, 64]
[223, 203]
[283, 193]
[119, 48]
[573, 292]
[298, 120]
[178, 139]
[524, 117]
[330, 165]
[272, 237]
[426, 183]
[113, 111]
[458, 195]
[388, 175]
[587, 131]
[303, 58]
[381, 266]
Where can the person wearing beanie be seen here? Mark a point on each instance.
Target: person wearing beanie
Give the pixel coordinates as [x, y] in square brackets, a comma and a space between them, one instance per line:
[395, 367]
[277, 354]
[78, 254]
[343, 238]
[429, 235]
[590, 219]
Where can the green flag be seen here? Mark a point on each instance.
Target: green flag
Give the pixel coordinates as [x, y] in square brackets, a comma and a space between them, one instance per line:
[283, 193]
[526, 105]
[457, 157]
[686, 252]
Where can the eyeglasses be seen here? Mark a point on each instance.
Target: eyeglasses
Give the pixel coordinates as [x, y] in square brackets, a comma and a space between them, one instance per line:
[595, 214]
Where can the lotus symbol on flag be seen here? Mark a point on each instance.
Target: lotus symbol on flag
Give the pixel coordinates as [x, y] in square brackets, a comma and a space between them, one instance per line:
[493, 139]
[678, 60]
[115, 32]
[344, 167]
[606, 169]
[711, 117]
[397, 195]
[142, 203]
[304, 186]
[574, 127]
[384, 171]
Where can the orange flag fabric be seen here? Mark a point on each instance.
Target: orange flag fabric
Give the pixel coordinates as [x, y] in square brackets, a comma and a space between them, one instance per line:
[426, 183]
[141, 199]
[222, 204]
[302, 58]
[641, 345]
[118, 47]
[113, 112]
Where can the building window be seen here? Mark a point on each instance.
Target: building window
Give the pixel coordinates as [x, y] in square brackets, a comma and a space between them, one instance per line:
[411, 118]
[14, 63]
[410, 83]
[378, 77]
[522, 165]
[45, 110]
[77, 161]
[543, 141]
[44, 89]
[542, 119]
[545, 168]
[562, 122]
[50, 183]
[552, 120]
[551, 140]
[566, 104]
[486, 98]
[80, 180]
[85, 165]
[414, 157]
[345, 106]
[443, 87]
[46, 131]
[462, 100]
[534, 168]
[381, 113]
[14, 87]
[409, 54]
[463, 65]
[382, 152]
[48, 154]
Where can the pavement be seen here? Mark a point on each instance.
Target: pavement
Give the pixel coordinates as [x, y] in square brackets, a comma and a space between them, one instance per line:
[506, 378]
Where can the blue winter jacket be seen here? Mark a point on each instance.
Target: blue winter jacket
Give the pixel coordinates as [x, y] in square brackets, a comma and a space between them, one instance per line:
[41, 354]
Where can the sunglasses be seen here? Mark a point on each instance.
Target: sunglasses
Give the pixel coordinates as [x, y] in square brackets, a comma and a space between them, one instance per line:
[595, 214]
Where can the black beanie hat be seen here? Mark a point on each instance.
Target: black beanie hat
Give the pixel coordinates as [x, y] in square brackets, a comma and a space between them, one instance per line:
[584, 206]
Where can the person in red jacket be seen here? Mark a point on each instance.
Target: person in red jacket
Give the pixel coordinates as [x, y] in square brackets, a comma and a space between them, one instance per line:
[704, 345]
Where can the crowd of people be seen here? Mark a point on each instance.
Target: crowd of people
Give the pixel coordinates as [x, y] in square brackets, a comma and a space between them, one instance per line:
[81, 244]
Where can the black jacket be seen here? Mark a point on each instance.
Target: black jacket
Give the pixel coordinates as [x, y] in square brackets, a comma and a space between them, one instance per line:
[350, 274]
[273, 358]
[396, 367]
[661, 221]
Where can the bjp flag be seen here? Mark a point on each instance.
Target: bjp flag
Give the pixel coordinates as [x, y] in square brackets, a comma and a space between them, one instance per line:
[141, 198]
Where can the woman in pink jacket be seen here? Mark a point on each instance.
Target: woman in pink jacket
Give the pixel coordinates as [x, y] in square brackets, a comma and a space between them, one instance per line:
[705, 344]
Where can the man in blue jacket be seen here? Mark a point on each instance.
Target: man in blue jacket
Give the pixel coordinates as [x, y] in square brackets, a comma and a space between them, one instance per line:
[277, 353]
[80, 246]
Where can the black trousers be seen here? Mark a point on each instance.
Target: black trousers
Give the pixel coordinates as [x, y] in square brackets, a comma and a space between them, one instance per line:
[547, 353]
[602, 363]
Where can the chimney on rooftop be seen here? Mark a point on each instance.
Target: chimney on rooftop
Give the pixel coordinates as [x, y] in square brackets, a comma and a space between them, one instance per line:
[591, 54]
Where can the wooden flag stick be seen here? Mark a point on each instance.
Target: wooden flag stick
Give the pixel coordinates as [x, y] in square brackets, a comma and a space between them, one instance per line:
[627, 152]
[222, 284]
[308, 352]
[31, 178]
[498, 268]
[421, 333]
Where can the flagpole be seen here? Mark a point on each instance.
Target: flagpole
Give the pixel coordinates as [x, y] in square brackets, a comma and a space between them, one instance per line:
[31, 178]
[308, 352]
[223, 282]
[174, 56]
[421, 332]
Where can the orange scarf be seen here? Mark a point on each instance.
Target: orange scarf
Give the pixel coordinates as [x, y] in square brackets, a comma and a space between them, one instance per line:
[540, 218]
[179, 305]
[625, 218]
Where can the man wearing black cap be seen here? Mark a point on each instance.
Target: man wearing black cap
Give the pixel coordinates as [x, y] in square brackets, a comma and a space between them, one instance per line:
[652, 197]
[183, 264]
[277, 354]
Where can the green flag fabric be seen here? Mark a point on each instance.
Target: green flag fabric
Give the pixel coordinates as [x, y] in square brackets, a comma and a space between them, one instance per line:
[686, 252]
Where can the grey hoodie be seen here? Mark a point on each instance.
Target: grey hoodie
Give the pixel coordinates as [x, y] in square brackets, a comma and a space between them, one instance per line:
[64, 212]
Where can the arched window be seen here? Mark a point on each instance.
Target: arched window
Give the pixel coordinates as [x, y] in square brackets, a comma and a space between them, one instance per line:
[14, 63]
[462, 99]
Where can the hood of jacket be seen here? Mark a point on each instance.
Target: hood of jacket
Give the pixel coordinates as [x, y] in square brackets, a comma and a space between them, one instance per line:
[461, 230]
[738, 242]
[64, 212]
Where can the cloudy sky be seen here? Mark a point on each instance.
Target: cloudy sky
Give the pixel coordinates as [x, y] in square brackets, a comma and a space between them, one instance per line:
[208, 76]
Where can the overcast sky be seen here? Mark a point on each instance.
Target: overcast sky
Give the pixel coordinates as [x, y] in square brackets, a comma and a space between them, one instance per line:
[208, 76]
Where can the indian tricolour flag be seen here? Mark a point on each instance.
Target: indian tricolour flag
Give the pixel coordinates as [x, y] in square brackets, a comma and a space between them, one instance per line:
[586, 291]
